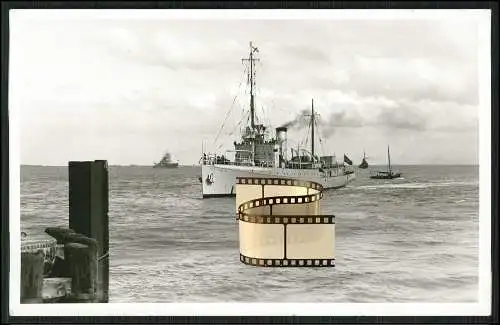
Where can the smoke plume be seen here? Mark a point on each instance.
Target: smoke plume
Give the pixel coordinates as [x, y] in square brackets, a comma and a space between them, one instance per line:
[299, 122]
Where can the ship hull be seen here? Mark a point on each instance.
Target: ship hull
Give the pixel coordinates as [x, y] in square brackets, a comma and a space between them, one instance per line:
[392, 176]
[170, 165]
[220, 180]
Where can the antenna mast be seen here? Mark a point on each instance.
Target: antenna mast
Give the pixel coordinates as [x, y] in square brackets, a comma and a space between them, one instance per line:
[389, 159]
[313, 121]
[312, 127]
[251, 78]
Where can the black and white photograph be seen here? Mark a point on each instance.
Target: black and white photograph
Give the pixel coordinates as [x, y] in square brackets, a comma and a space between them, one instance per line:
[250, 162]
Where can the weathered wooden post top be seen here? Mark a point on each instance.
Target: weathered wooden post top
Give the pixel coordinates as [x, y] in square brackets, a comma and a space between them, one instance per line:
[88, 213]
[72, 264]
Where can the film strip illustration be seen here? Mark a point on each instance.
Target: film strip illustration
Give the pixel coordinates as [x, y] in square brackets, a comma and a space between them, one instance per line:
[280, 224]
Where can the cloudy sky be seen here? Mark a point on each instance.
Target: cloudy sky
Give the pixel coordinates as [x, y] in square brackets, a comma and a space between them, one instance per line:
[127, 90]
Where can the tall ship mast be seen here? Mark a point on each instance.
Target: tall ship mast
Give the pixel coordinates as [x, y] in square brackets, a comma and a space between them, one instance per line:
[259, 154]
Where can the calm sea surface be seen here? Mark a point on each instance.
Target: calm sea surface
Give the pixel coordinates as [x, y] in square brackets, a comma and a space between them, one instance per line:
[407, 240]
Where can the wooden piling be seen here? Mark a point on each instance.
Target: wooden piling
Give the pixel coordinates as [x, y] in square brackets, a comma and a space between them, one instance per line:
[88, 212]
[78, 265]
[81, 273]
[82, 267]
[32, 267]
[82, 239]
[56, 289]
[60, 234]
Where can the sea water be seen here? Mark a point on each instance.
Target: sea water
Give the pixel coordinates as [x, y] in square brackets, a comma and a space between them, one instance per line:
[413, 239]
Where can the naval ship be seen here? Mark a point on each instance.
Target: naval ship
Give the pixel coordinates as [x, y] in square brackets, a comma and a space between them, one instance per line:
[257, 154]
[166, 162]
[364, 163]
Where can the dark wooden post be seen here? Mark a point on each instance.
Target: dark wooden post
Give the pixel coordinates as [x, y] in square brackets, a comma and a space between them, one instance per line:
[60, 234]
[88, 212]
[82, 268]
[32, 266]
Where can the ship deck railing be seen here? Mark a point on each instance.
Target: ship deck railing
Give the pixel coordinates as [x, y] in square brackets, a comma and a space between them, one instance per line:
[212, 160]
[233, 163]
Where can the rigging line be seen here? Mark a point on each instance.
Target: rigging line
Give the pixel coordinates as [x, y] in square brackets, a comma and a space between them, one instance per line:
[231, 108]
[320, 139]
[269, 118]
[235, 127]
[265, 117]
[244, 116]
[301, 142]
[257, 95]
[225, 119]
[308, 133]
[240, 123]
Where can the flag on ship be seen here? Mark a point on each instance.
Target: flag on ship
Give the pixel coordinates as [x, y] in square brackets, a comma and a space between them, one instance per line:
[347, 160]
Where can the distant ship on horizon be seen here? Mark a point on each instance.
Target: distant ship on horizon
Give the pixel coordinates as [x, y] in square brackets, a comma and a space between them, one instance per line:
[166, 162]
[364, 163]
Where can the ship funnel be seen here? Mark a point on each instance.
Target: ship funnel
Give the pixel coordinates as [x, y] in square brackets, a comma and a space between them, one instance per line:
[281, 131]
[281, 134]
[281, 139]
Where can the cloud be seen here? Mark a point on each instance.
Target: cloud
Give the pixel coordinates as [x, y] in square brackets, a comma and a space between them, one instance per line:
[414, 79]
[155, 46]
[305, 53]
[339, 110]
[159, 83]
[424, 60]
[402, 118]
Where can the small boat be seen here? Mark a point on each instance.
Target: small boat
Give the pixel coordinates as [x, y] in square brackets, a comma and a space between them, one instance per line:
[389, 174]
[364, 163]
[166, 162]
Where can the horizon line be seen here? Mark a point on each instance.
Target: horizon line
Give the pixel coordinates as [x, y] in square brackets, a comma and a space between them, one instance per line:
[196, 165]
